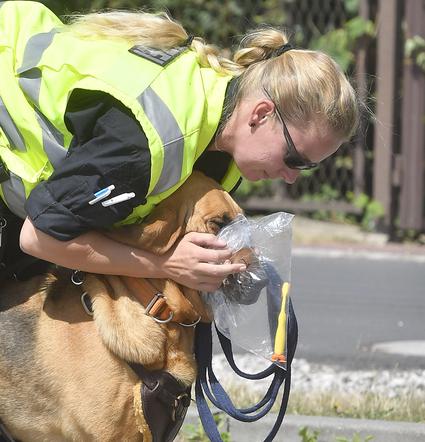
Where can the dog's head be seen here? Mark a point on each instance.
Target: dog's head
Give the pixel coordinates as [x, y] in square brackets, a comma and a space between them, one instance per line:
[199, 205]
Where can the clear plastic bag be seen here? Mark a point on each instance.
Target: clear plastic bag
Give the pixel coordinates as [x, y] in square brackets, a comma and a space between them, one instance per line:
[251, 308]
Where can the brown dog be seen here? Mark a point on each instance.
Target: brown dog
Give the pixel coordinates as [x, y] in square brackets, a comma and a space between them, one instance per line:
[63, 373]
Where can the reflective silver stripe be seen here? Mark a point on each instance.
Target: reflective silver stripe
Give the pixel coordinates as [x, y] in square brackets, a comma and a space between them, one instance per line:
[30, 83]
[53, 140]
[14, 195]
[35, 48]
[1, 4]
[171, 136]
[15, 138]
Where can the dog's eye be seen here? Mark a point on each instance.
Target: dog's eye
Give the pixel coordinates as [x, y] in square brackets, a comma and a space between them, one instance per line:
[216, 224]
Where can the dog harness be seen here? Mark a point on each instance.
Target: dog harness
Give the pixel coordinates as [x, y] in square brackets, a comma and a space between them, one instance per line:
[164, 400]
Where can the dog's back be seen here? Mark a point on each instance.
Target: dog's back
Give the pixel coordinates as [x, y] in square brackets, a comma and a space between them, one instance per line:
[57, 379]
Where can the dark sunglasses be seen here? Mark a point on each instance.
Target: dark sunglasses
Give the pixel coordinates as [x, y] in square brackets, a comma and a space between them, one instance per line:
[293, 159]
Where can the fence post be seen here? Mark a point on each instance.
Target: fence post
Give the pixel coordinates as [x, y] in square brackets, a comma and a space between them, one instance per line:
[361, 72]
[413, 129]
[387, 106]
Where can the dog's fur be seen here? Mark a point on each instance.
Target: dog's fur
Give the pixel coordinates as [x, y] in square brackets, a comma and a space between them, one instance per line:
[63, 374]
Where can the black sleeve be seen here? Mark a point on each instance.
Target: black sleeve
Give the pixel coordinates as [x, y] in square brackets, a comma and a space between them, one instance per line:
[109, 147]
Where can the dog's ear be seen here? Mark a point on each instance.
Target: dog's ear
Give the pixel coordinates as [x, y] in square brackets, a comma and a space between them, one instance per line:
[163, 227]
[158, 233]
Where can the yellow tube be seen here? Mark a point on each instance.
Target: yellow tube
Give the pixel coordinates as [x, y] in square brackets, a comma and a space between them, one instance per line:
[280, 337]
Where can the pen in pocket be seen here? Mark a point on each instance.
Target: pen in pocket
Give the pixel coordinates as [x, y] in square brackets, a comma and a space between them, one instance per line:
[118, 199]
[102, 194]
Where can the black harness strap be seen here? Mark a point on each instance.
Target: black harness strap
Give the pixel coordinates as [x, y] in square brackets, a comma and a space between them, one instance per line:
[165, 402]
[5, 436]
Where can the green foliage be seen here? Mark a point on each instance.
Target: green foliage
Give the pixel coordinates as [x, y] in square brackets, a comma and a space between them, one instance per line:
[351, 6]
[254, 188]
[216, 21]
[307, 435]
[415, 50]
[340, 43]
[195, 433]
[372, 210]
[325, 194]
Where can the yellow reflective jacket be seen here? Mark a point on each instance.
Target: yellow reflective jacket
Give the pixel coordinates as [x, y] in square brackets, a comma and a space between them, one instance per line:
[177, 102]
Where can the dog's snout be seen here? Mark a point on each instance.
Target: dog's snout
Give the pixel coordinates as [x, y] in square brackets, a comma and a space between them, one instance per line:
[244, 256]
[245, 287]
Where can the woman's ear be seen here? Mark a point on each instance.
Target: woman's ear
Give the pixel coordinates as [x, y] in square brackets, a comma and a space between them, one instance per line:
[261, 111]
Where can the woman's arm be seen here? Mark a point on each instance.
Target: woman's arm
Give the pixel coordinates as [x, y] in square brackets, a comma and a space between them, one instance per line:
[198, 261]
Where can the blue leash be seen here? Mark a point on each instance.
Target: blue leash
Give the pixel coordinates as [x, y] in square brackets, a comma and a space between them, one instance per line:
[208, 383]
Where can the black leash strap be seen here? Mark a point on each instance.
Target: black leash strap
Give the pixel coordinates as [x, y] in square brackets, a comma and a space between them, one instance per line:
[208, 384]
[5, 436]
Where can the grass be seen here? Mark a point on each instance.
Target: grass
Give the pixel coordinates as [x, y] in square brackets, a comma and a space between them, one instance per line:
[408, 407]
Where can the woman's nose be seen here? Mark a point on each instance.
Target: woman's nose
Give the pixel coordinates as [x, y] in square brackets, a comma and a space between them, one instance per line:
[290, 175]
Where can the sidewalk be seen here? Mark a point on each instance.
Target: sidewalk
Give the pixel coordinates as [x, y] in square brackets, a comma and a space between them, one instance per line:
[328, 427]
[322, 234]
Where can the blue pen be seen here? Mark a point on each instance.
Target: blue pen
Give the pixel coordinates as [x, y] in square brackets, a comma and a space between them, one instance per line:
[102, 194]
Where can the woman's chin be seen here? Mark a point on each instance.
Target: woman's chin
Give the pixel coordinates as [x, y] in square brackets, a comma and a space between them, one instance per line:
[253, 176]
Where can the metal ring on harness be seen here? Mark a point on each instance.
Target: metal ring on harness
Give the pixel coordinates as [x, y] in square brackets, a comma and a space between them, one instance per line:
[87, 304]
[192, 324]
[163, 321]
[77, 277]
[155, 299]
[181, 403]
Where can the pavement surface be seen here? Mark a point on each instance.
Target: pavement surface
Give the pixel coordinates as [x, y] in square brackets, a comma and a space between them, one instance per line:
[333, 240]
[360, 311]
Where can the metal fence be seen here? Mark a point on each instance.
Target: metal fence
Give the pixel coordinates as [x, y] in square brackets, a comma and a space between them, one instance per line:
[332, 186]
[385, 164]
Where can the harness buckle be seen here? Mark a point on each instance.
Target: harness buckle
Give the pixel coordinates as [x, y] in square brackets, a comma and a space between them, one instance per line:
[181, 403]
[156, 306]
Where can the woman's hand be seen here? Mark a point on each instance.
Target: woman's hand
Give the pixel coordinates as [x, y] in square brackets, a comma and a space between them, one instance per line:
[199, 261]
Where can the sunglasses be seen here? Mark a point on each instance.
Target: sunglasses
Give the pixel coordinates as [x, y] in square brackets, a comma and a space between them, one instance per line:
[293, 159]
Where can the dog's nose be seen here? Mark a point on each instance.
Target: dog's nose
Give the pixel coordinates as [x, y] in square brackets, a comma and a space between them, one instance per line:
[245, 287]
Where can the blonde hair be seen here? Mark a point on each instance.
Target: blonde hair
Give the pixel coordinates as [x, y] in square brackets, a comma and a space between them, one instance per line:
[307, 85]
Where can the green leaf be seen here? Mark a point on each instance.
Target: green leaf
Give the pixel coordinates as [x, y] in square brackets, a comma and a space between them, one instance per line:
[351, 6]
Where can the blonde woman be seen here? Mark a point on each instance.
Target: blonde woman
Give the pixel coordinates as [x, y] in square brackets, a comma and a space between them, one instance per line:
[121, 107]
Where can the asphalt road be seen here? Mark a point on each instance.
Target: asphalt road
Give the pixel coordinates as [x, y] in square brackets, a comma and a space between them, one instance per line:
[347, 304]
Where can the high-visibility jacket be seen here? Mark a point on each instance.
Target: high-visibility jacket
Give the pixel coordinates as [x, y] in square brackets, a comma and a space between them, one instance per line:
[177, 102]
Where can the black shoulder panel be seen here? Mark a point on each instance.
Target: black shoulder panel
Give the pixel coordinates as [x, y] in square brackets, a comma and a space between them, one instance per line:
[158, 56]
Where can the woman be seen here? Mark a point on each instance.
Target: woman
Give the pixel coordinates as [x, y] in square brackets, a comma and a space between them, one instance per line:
[126, 105]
